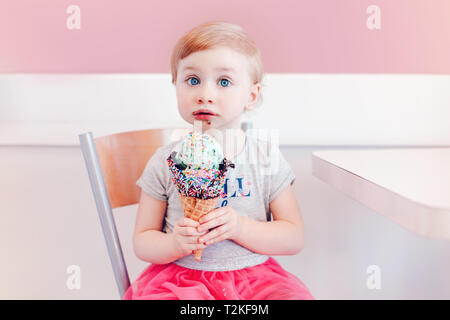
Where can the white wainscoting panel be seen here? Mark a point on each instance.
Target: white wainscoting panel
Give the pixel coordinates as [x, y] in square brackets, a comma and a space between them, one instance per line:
[307, 109]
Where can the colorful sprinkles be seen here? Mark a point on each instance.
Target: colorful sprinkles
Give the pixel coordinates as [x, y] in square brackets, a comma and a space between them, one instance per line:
[198, 183]
[198, 166]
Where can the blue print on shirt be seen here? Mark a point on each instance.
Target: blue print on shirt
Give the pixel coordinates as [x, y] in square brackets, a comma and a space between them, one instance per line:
[238, 189]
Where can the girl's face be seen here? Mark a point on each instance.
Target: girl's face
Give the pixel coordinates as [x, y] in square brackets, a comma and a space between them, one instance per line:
[216, 80]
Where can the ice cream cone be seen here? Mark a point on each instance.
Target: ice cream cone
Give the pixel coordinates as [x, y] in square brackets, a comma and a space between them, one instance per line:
[198, 168]
[194, 208]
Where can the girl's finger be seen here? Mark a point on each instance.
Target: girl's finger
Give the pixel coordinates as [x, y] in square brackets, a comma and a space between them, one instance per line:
[217, 221]
[213, 214]
[187, 222]
[190, 231]
[191, 240]
[213, 234]
[219, 238]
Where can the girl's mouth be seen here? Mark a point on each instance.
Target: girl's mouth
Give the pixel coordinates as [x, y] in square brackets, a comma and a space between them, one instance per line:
[204, 114]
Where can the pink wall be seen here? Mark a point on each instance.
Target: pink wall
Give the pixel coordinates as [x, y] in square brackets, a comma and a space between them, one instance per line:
[295, 36]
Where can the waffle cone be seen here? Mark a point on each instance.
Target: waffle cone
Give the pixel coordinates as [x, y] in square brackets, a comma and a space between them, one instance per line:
[194, 208]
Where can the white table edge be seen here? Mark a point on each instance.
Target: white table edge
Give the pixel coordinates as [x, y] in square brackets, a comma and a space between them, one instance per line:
[430, 222]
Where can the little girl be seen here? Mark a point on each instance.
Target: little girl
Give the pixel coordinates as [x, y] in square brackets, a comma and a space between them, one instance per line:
[217, 72]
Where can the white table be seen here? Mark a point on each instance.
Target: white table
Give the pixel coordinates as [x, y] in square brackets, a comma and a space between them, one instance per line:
[410, 186]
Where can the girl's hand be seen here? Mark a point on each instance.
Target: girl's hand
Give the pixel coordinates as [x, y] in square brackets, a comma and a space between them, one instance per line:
[186, 236]
[227, 224]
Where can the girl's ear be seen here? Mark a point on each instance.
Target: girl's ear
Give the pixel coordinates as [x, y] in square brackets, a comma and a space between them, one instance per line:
[254, 94]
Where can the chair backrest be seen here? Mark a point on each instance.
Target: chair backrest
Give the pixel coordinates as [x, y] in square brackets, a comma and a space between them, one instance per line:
[114, 164]
[123, 157]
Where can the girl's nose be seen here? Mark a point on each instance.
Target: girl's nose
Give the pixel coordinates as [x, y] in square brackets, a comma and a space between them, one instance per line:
[205, 94]
[201, 100]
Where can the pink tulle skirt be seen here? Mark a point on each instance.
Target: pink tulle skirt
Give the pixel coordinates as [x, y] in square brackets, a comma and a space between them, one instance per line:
[267, 281]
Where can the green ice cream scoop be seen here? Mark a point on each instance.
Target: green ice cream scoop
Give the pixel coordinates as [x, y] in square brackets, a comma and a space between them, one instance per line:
[199, 151]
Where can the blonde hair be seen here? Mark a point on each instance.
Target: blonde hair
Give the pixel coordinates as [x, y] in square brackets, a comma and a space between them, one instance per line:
[214, 34]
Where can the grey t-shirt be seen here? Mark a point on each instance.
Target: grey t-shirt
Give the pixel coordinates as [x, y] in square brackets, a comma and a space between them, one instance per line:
[260, 174]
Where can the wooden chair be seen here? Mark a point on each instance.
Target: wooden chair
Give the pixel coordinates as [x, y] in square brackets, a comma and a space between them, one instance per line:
[114, 164]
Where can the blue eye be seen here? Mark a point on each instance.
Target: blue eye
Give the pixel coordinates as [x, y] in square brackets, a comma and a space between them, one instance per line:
[195, 81]
[224, 82]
